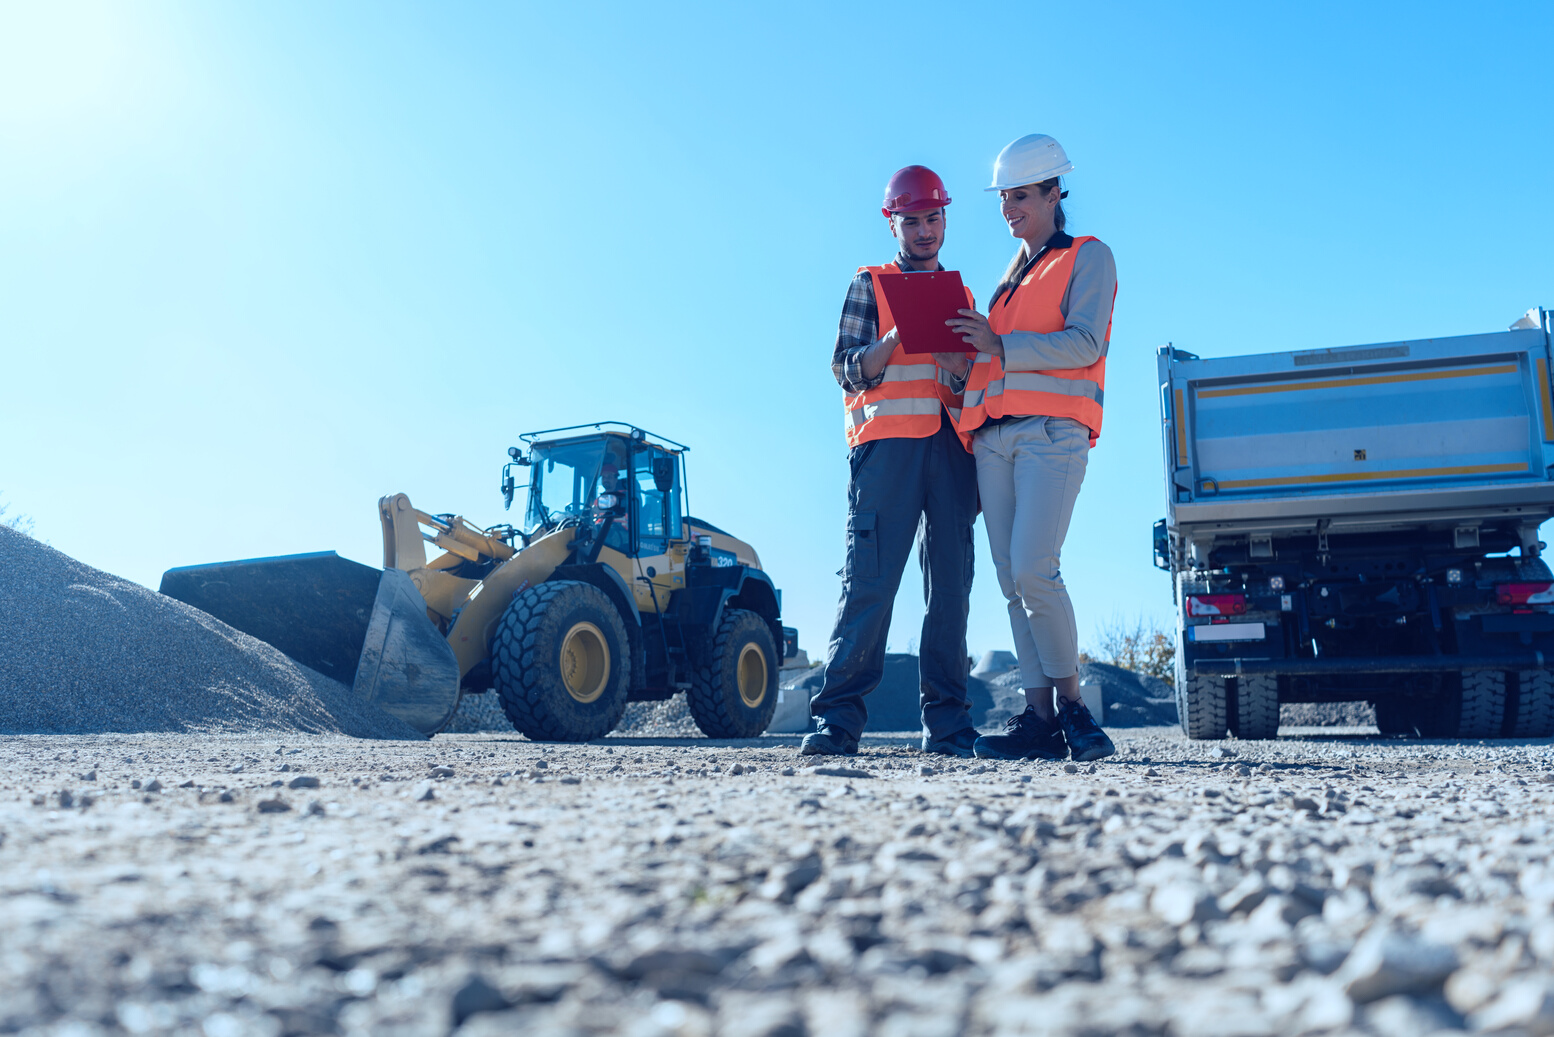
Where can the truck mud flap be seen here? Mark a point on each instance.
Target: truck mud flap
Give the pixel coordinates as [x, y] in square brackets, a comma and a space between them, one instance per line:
[407, 667]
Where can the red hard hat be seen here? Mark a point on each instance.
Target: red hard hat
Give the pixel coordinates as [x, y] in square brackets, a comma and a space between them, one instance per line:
[913, 189]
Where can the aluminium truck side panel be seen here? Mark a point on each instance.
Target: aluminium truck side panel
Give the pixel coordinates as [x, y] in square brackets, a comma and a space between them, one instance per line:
[1452, 425]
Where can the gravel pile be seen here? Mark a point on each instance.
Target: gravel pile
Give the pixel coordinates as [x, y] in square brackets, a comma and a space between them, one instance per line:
[670, 718]
[479, 885]
[481, 712]
[1327, 714]
[84, 652]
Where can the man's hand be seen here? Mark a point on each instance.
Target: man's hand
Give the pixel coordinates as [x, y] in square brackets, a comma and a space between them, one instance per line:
[972, 327]
[955, 363]
[878, 355]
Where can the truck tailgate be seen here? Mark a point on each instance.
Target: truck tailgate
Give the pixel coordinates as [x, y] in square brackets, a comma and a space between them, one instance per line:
[1387, 426]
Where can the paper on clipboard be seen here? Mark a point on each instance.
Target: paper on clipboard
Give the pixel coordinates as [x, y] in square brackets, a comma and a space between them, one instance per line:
[920, 302]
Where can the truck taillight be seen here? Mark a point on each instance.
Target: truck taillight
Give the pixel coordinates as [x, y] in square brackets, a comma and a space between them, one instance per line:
[1217, 604]
[1525, 593]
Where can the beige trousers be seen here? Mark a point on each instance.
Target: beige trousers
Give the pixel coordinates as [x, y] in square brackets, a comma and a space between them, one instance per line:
[1028, 472]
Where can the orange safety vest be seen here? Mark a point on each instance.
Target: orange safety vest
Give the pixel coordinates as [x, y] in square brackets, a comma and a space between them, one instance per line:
[906, 404]
[1035, 305]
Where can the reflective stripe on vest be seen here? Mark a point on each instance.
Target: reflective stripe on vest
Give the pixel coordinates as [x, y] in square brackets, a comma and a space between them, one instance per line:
[1035, 305]
[907, 402]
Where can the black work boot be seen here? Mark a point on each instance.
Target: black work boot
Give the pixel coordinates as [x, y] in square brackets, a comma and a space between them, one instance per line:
[828, 741]
[957, 744]
[1085, 736]
[1026, 737]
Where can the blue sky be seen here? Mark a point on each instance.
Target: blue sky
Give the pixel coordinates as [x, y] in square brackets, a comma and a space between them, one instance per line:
[261, 264]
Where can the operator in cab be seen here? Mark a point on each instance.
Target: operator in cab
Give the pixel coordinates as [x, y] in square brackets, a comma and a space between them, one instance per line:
[910, 479]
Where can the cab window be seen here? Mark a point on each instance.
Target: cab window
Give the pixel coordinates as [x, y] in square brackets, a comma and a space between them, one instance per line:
[656, 500]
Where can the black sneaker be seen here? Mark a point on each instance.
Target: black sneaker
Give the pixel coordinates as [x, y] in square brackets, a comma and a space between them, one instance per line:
[1085, 736]
[828, 741]
[957, 744]
[1026, 737]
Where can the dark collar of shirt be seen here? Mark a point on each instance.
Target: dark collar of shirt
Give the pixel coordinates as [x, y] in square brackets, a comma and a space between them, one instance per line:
[904, 264]
[1059, 240]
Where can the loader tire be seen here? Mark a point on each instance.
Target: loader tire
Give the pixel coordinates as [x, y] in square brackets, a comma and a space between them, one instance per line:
[1529, 711]
[1257, 707]
[560, 664]
[1473, 707]
[1200, 703]
[733, 691]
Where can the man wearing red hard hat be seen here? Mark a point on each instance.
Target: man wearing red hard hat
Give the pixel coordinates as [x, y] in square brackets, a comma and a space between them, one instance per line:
[911, 480]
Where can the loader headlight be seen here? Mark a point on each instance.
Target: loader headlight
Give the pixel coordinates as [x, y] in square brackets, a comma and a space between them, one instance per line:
[1276, 583]
[1454, 576]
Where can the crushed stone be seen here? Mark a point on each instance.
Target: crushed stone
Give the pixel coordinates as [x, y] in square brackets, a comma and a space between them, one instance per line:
[85, 652]
[1327, 714]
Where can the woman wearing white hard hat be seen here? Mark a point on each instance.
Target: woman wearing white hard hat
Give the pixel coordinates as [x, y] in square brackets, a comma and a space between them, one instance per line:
[1031, 413]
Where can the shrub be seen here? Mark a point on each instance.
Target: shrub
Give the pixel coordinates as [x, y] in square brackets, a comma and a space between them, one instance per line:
[20, 523]
[1140, 645]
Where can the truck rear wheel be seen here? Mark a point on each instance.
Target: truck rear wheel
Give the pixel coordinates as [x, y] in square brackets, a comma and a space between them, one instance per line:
[559, 662]
[1200, 702]
[1530, 710]
[1472, 707]
[733, 691]
[1257, 707]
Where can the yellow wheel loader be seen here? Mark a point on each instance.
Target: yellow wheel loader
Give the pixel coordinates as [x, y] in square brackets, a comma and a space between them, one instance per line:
[609, 593]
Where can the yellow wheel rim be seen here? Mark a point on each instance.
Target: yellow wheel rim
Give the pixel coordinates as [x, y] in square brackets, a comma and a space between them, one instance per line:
[585, 662]
[752, 675]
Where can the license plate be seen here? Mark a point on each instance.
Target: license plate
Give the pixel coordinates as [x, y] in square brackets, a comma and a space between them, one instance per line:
[1229, 632]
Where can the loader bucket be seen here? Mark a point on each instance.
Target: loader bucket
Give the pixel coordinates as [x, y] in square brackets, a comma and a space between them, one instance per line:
[360, 625]
[407, 667]
[314, 607]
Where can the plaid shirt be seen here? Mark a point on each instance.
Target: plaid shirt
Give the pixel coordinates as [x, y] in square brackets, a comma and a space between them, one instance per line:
[859, 329]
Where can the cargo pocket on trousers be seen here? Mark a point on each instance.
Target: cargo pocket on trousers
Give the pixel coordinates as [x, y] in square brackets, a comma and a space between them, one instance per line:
[863, 548]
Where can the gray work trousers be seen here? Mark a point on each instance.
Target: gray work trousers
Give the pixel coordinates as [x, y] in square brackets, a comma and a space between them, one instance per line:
[901, 490]
[1028, 472]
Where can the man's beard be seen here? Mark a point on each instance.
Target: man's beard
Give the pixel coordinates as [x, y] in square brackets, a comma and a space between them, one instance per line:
[919, 256]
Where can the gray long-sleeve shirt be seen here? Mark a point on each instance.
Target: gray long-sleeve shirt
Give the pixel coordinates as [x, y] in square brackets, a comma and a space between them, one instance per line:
[1087, 313]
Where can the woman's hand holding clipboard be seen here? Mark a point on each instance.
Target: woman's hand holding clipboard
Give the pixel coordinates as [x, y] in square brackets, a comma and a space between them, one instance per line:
[975, 332]
[931, 316]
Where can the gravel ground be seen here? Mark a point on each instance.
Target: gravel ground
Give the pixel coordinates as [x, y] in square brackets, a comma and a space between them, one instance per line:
[1325, 883]
[115, 656]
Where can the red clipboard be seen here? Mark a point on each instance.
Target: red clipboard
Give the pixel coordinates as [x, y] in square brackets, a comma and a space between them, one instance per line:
[921, 301]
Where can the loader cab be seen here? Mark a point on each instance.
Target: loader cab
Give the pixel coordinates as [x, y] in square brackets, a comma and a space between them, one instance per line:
[568, 476]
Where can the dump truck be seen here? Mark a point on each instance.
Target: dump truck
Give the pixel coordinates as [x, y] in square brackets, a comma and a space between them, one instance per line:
[607, 593]
[1361, 524]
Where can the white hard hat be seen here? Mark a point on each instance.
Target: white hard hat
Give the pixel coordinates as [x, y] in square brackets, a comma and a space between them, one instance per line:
[1030, 160]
